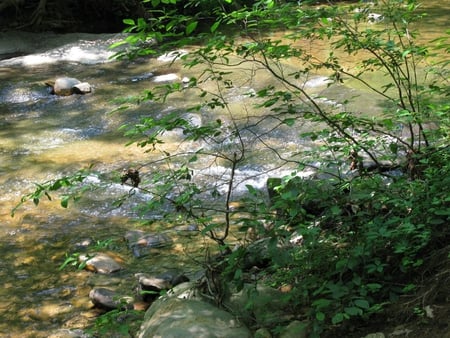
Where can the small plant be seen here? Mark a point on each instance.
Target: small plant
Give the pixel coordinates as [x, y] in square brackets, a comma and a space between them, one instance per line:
[79, 260]
[124, 322]
[71, 184]
[76, 259]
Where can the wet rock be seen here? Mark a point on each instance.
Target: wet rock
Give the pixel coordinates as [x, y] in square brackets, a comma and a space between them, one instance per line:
[151, 286]
[48, 310]
[140, 242]
[156, 283]
[375, 335]
[102, 263]
[190, 228]
[268, 307]
[59, 292]
[109, 299]
[375, 17]
[65, 86]
[262, 333]
[82, 88]
[174, 317]
[107, 280]
[84, 243]
[66, 333]
[187, 290]
[295, 329]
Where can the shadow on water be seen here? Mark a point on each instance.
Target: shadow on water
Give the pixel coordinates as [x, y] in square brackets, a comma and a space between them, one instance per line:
[44, 136]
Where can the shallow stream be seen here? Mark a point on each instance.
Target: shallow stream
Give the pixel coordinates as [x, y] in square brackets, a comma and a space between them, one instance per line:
[44, 137]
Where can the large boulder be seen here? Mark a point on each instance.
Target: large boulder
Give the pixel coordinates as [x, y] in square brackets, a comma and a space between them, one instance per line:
[172, 317]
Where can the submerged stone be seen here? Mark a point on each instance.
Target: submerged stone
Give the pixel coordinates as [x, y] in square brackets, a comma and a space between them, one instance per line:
[189, 228]
[141, 242]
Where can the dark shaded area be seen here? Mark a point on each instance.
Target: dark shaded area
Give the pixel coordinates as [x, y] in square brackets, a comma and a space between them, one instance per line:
[10, 55]
[100, 16]
[86, 16]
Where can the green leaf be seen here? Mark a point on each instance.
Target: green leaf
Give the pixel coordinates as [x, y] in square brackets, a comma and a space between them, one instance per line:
[393, 147]
[289, 121]
[442, 212]
[66, 262]
[337, 318]
[117, 44]
[406, 53]
[129, 22]
[141, 23]
[215, 26]
[362, 303]
[191, 27]
[320, 316]
[321, 303]
[353, 311]
[65, 201]
[209, 228]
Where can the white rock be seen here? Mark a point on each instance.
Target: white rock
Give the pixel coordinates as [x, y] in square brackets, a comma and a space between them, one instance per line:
[82, 87]
[375, 17]
[166, 78]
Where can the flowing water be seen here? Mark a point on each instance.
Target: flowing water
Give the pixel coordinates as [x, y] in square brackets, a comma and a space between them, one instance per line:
[44, 137]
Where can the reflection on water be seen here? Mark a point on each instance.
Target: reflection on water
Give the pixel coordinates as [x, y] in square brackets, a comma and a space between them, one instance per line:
[44, 136]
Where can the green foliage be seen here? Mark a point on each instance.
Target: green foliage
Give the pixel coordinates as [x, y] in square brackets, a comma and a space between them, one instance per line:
[75, 260]
[117, 322]
[362, 236]
[351, 264]
[68, 183]
[78, 259]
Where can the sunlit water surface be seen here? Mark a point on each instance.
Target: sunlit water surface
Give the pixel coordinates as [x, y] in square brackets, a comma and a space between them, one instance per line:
[45, 136]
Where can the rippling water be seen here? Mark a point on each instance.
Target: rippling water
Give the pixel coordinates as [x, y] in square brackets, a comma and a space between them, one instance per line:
[45, 136]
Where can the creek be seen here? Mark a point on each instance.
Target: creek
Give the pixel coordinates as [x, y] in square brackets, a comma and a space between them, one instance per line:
[44, 137]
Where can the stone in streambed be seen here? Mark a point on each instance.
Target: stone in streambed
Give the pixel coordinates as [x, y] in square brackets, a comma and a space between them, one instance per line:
[102, 263]
[109, 299]
[141, 242]
[174, 317]
[186, 229]
[65, 86]
[150, 286]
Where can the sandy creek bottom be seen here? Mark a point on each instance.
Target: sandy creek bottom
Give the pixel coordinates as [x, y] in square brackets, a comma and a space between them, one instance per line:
[44, 137]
